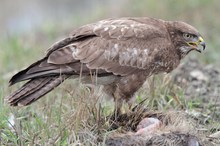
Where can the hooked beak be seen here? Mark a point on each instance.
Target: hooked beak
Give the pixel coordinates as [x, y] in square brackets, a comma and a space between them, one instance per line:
[202, 43]
[195, 45]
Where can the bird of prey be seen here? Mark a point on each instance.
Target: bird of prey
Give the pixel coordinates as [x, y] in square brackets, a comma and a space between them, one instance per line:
[122, 53]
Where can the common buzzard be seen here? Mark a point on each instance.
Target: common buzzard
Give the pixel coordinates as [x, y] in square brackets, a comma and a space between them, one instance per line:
[121, 53]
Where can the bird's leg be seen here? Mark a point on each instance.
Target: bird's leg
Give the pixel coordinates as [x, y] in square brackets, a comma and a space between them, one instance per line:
[110, 90]
[117, 108]
[130, 103]
[115, 117]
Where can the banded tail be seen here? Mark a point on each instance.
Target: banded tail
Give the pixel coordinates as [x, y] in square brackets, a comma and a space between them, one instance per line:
[35, 89]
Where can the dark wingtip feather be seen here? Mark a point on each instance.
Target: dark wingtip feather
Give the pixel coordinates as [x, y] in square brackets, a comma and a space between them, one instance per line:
[10, 83]
[17, 78]
[22, 75]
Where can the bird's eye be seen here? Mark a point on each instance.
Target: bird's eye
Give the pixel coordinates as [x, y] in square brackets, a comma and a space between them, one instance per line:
[186, 35]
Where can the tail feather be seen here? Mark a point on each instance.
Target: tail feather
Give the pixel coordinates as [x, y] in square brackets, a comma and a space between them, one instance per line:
[26, 89]
[35, 89]
[39, 69]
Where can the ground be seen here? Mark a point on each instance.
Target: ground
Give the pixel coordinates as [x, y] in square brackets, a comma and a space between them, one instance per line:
[74, 115]
[197, 120]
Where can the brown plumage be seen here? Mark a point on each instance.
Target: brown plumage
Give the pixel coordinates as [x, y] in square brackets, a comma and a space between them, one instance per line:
[121, 52]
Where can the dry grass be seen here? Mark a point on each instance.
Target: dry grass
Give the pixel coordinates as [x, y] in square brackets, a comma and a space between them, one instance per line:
[74, 115]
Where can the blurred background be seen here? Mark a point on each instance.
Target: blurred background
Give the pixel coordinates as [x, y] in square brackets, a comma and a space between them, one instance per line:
[44, 22]
[24, 16]
[29, 27]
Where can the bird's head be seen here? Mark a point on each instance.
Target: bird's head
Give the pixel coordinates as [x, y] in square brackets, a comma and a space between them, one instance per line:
[185, 37]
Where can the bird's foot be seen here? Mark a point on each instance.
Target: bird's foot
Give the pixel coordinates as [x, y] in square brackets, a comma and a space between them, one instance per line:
[114, 119]
[148, 126]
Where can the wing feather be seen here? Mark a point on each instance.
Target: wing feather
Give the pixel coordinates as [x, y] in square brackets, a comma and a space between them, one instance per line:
[62, 56]
[123, 29]
[121, 46]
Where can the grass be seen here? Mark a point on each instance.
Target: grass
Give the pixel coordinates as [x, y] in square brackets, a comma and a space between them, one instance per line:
[73, 115]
